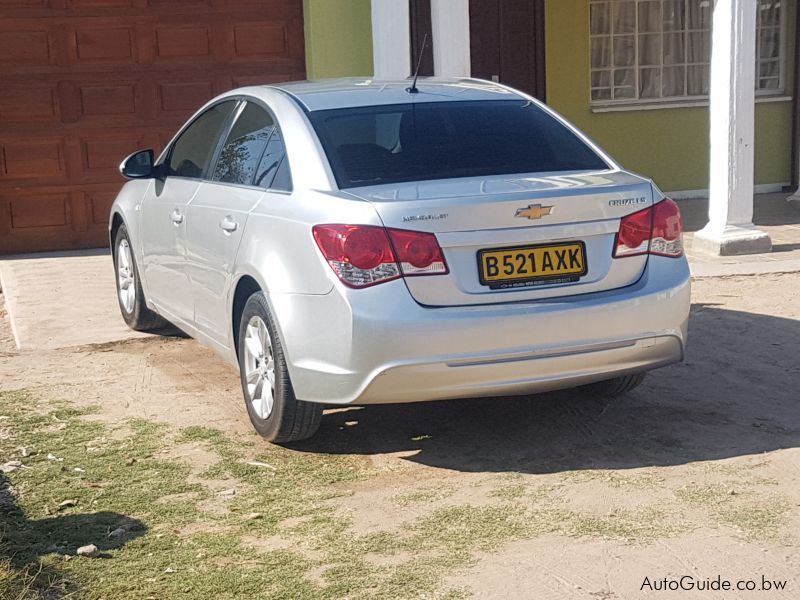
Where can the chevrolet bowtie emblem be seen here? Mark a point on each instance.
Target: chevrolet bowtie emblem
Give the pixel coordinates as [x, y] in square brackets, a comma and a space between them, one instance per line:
[534, 211]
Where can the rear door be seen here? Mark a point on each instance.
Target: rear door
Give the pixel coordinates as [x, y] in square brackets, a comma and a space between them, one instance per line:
[164, 209]
[217, 215]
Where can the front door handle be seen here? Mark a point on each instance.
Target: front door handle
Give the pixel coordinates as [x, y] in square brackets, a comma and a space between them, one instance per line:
[228, 225]
[176, 217]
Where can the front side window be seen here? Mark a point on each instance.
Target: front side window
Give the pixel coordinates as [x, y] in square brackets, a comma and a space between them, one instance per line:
[651, 50]
[193, 150]
[375, 145]
[244, 146]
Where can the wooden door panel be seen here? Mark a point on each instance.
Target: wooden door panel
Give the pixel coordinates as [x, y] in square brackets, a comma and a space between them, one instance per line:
[86, 82]
[507, 43]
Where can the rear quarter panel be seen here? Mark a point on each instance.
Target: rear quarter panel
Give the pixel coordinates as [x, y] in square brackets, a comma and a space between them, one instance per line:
[278, 248]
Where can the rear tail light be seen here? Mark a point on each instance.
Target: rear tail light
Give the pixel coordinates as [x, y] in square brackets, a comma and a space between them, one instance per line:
[365, 255]
[654, 230]
[418, 253]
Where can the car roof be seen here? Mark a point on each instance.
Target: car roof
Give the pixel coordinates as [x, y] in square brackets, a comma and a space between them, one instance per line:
[360, 91]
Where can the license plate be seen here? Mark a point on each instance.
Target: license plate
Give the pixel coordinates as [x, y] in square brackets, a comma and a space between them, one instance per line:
[532, 265]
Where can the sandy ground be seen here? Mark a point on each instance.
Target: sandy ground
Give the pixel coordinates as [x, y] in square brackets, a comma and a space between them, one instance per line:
[701, 464]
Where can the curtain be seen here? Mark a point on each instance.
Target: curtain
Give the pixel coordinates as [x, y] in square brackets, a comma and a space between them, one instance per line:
[651, 49]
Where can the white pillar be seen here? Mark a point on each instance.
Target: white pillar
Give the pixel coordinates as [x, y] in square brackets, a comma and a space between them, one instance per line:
[450, 21]
[732, 114]
[391, 39]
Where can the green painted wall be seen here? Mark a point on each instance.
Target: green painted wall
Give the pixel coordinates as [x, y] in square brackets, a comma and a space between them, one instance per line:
[338, 38]
[670, 145]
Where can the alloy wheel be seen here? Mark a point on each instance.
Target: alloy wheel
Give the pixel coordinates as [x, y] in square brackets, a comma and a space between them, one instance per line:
[125, 276]
[259, 367]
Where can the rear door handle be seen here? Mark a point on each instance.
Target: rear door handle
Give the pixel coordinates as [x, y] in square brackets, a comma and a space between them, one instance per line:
[228, 225]
[176, 217]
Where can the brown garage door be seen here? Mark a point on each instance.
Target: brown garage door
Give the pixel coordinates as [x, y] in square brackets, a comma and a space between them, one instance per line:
[83, 83]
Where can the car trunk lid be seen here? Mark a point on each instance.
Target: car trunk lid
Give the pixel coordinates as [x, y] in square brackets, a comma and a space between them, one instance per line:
[555, 233]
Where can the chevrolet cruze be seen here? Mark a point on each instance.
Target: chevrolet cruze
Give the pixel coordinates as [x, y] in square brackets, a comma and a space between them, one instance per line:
[355, 241]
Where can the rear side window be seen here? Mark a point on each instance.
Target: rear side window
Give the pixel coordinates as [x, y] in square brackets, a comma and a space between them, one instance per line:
[244, 146]
[439, 140]
[273, 170]
[192, 151]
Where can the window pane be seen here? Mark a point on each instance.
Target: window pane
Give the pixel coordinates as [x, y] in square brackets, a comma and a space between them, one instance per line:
[650, 50]
[601, 79]
[673, 81]
[191, 152]
[624, 84]
[624, 77]
[698, 49]
[769, 68]
[604, 94]
[673, 49]
[697, 80]
[624, 51]
[601, 52]
[441, 140]
[768, 84]
[673, 15]
[273, 155]
[600, 20]
[245, 144]
[624, 93]
[769, 43]
[650, 17]
[699, 14]
[650, 83]
[769, 13]
[624, 16]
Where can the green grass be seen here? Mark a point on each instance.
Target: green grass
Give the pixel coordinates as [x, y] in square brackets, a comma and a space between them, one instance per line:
[739, 505]
[283, 534]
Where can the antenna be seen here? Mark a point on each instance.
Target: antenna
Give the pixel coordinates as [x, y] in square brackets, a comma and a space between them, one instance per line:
[413, 89]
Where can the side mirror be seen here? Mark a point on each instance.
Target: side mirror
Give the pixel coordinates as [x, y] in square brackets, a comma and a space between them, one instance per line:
[138, 165]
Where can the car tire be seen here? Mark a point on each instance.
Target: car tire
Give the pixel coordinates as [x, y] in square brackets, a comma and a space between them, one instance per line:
[611, 388]
[277, 415]
[130, 296]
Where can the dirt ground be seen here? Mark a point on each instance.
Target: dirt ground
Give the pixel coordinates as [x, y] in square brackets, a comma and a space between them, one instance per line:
[695, 473]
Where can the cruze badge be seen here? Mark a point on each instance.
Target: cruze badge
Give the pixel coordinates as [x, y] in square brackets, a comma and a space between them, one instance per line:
[534, 211]
[628, 201]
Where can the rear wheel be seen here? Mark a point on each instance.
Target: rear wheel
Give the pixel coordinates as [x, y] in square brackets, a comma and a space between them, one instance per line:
[271, 404]
[618, 386]
[130, 295]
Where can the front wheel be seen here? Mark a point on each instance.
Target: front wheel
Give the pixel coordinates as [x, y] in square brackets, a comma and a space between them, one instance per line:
[271, 404]
[130, 295]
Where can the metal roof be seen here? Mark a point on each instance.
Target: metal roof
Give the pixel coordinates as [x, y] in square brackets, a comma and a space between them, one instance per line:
[360, 91]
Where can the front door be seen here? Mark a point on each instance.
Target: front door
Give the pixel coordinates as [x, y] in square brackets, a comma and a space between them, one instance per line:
[163, 226]
[507, 43]
[164, 211]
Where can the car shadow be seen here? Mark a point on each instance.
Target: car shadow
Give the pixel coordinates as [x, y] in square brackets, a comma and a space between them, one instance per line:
[23, 541]
[736, 394]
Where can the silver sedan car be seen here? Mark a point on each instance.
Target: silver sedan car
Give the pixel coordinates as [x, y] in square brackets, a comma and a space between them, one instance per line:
[355, 242]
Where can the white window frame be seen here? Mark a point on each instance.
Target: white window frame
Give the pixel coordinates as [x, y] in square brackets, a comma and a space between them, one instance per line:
[611, 105]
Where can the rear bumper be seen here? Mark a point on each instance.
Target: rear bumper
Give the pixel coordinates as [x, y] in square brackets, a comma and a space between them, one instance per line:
[377, 345]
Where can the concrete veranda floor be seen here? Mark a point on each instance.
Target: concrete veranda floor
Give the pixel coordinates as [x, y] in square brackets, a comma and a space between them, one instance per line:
[59, 300]
[773, 213]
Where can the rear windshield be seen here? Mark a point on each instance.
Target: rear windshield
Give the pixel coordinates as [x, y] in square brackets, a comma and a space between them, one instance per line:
[375, 145]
